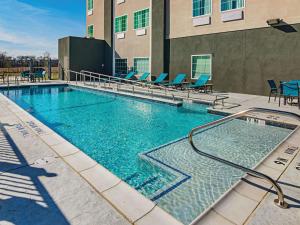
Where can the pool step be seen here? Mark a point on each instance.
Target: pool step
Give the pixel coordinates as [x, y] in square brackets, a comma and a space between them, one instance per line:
[147, 185]
[127, 179]
[151, 180]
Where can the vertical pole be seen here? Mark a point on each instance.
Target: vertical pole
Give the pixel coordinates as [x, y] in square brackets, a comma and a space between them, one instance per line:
[49, 69]
[113, 38]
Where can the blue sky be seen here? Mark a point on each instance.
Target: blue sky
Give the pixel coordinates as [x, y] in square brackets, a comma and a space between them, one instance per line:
[31, 27]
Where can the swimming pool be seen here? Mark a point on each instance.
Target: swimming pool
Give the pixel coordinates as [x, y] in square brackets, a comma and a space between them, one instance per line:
[119, 131]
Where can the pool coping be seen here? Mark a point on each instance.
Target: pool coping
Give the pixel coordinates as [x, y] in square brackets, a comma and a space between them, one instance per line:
[131, 204]
[112, 185]
[159, 99]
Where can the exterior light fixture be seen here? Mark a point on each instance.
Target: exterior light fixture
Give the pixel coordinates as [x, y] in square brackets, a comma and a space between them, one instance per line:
[274, 22]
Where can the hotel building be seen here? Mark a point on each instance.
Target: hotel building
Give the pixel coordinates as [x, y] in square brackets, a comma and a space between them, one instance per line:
[239, 43]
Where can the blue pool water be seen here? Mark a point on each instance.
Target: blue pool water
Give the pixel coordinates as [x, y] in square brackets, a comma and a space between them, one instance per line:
[116, 131]
[113, 129]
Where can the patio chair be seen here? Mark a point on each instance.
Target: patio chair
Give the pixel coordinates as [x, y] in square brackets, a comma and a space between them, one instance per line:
[177, 82]
[273, 89]
[159, 80]
[130, 75]
[40, 74]
[25, 74]
[144, 77]
[290, 91]
[201, 83]
[2, 77]
[120, 78]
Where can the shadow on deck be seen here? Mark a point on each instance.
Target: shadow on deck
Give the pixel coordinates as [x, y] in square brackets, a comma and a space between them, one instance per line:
[23, 198]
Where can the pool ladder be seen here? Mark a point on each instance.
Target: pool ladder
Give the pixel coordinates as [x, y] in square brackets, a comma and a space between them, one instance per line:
[280, 199]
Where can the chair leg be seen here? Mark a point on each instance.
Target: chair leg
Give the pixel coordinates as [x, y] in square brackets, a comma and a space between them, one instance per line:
[275, 97]
[270, 96]
[279, 100]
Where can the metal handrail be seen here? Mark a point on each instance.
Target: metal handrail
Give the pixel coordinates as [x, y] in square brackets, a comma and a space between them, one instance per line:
[119, 82]
[94, 78]
[133, 82]
[280, 200]
[219, 97]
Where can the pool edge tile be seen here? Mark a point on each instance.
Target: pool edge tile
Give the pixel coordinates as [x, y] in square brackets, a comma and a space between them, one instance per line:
[100, 178]
[157, 216]
[65, 149]
[80, 161]
[128, 201]
[235, 207]
[213, 218]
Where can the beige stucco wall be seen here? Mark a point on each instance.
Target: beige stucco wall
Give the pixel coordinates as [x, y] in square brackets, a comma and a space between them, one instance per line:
[132, 45]
[97, 19]
[256, 13]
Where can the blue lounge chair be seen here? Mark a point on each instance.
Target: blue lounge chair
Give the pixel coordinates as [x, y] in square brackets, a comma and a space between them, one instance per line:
[129, 75]
[144, 77]
[160, 79]
[290, 90]
[177, 82]
[201, 83]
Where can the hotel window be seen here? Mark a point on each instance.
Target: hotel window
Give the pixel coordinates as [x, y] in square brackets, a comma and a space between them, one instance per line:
[90, 4]
[141, 19]
[201, 64]
[201, 7]
[141, 65]
[121, 66]
[232, 4]
[121, 24]
[91, 31]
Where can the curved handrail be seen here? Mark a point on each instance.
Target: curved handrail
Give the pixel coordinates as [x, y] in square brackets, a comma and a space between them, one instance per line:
[280, 200]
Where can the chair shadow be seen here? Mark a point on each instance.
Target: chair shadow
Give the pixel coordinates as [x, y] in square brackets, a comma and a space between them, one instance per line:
[23, 197]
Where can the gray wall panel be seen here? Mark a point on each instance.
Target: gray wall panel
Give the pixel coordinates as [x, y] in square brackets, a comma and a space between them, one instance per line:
[243, 61]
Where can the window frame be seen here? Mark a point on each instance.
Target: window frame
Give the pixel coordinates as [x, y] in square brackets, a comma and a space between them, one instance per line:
[211, 62]
[141, 58]
[232, 9]
[208, 14]
[126, 24]
[148, 20]
[91, 25]
[127, 69]
[90, 9]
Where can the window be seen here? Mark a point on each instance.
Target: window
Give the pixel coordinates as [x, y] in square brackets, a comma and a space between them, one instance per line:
[121, 24]
[121, 66]
[201, 64]
[91, 31]
[141, 19]
[90, 4]
[201, 7]
[141, 65]
[232, 4]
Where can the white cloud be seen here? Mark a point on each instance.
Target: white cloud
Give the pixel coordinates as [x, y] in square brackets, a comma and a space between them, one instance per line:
[28, 30]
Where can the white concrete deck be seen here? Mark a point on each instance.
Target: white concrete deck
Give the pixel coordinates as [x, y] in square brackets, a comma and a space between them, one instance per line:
[41, 172]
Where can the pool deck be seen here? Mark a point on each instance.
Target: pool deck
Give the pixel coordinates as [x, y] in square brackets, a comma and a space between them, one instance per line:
[58, 184]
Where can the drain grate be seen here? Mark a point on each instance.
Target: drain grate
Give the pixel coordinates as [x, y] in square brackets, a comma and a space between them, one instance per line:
[44, 161]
